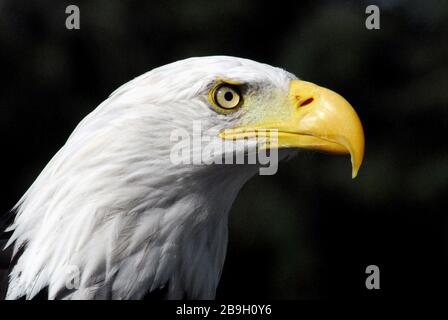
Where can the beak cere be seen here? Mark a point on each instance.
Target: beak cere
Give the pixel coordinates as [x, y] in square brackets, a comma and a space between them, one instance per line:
[320, 120]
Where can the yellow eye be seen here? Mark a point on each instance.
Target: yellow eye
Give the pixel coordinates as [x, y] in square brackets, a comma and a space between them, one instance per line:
[227, 96]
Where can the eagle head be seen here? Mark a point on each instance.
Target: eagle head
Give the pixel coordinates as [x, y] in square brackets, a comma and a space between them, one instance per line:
[137, 199]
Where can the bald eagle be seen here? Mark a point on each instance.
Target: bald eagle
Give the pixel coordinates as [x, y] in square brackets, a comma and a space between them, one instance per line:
[112, 216]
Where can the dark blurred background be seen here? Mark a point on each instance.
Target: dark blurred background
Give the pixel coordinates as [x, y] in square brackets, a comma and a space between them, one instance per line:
[309, 231]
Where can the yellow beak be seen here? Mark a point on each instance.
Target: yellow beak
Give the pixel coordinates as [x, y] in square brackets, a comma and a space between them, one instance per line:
[320, 119]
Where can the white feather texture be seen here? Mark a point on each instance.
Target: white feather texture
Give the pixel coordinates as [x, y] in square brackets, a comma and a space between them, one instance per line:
[112, 205]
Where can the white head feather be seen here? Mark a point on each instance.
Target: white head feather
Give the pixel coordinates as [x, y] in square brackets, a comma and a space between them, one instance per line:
[112, 205]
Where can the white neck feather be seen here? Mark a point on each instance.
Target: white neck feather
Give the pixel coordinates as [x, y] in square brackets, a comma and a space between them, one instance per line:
[129, 226]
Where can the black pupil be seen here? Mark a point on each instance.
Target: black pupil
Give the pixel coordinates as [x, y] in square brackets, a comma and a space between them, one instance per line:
[228, 96]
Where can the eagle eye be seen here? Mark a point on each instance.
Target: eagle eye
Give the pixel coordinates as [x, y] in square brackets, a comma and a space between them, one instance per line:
[226, 97]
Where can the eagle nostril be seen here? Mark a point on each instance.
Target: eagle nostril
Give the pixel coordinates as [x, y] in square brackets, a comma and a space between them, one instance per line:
[307, 101]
